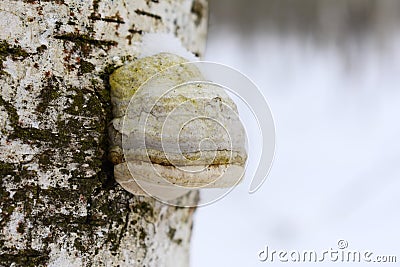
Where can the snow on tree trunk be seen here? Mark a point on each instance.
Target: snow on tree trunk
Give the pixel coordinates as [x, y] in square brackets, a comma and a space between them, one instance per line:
[59, 203]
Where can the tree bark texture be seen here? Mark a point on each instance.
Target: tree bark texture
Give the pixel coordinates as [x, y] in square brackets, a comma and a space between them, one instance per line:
[59, 203]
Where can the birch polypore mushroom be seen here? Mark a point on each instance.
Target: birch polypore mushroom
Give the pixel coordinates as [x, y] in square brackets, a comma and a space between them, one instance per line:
[173, 131]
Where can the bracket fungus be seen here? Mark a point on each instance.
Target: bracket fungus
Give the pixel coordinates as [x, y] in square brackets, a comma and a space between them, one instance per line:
[173, 131]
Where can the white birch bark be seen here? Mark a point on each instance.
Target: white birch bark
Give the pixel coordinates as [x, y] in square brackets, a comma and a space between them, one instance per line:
[59, 203]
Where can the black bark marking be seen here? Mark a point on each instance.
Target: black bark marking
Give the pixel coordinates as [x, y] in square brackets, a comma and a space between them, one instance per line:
[58, 2]
[135, 31]
[152, 1]
[84, 39]
[107, 19]
[83, 43]
[151, 15]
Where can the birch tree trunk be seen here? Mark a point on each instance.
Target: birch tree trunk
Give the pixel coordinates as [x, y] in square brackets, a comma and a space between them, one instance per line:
[59, 204]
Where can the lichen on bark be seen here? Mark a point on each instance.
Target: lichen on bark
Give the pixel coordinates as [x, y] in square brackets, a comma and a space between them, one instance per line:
[59, 203]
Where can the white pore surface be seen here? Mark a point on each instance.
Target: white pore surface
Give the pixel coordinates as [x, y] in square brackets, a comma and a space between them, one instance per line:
[336, 171]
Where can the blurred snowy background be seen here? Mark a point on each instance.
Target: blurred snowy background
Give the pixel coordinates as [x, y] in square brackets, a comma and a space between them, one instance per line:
[331, 73]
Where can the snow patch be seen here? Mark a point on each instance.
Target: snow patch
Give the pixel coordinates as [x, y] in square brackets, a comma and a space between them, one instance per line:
[154, 43]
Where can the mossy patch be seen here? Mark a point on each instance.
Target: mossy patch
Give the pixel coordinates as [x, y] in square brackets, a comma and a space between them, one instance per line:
[25, 257]
[49, 93]
[86, 67]
[6, 169]
[13, 51]
[143, 208]
[12, 112]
